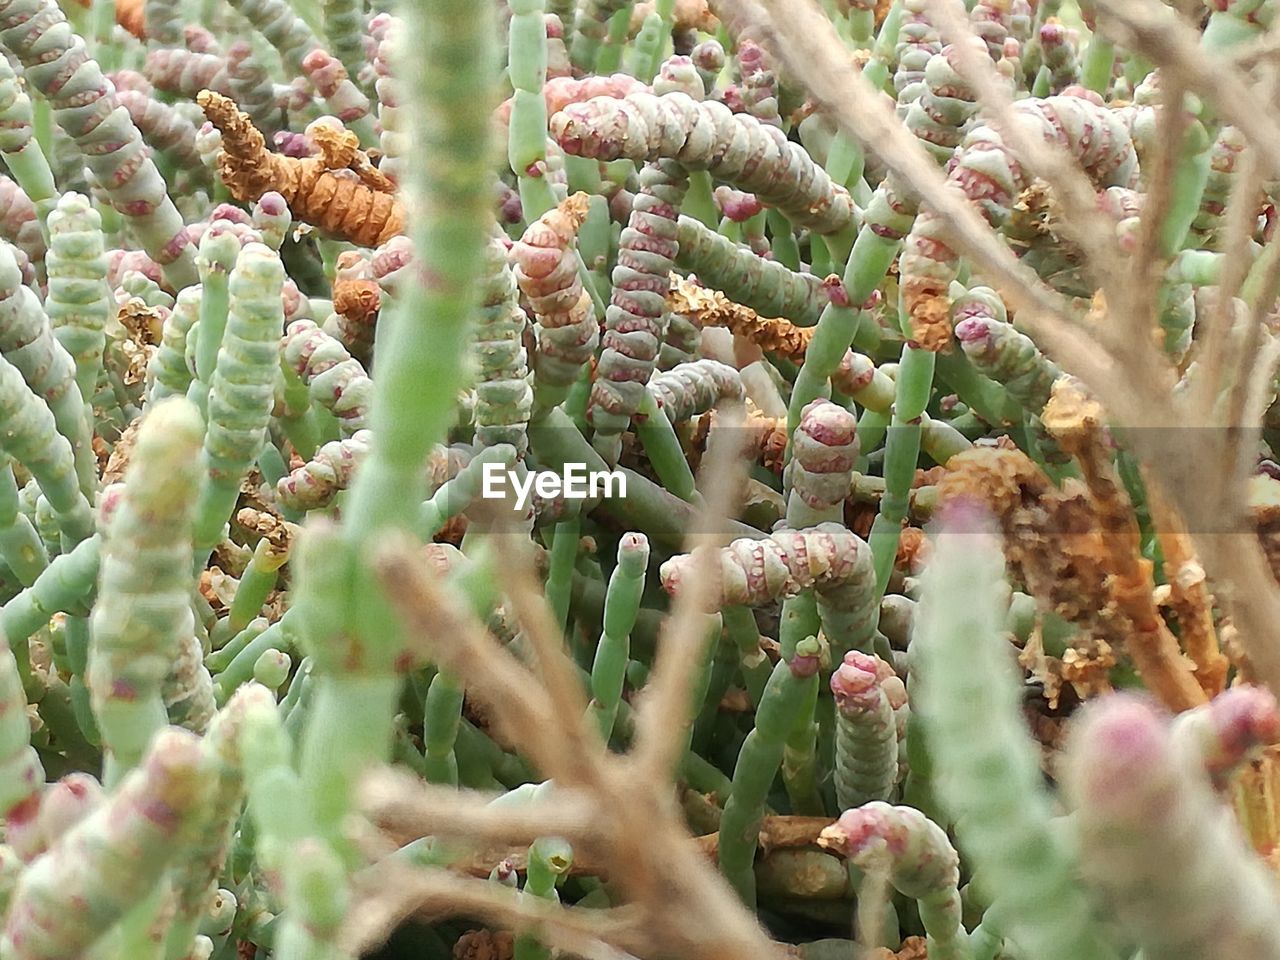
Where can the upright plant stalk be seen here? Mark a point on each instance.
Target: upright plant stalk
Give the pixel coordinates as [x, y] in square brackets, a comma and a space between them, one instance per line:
[143, 613]
[1144, 808]
[920, 861]
[29, 435]
[636, 320]
[60, 907]
[78, 302]
[504, 399]
[219, 249]
[988, 767]
[27, 341]
[18, 145]
[621, 604]
[527, 130]
[780, 708]
[866, 744]
[566, 328]
[351, 632]
[242, 391]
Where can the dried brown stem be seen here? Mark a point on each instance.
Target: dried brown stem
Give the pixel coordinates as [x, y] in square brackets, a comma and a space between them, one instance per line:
[456, 641]
[1189, 595]
[711, 308]
[1076, 421]
[401, 805]
[1082, 222]
[807, 42]
[339, 190]
[683, 907]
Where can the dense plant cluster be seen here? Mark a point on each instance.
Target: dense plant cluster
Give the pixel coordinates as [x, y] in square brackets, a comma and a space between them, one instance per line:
[932, 345]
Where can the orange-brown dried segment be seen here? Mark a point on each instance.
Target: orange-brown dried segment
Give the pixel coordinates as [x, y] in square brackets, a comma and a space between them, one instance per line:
[339, 191]
[711, 308]
[129, 14]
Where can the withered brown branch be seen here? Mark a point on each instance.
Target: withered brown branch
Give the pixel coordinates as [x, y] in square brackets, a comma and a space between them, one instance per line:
[1075, 420]
[1133, 381]
[390, 892]
[339, 190]
[1189, 596]
[683, 907]
[711, 308]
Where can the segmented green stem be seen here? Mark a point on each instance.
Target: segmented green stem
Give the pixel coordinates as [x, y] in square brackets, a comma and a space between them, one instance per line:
[824, 450]
[504, 399]
[334, 379]
[921, 864]
[636, 320]
[61, 907]
[84, 105]
[27, 341]
[18, 145]
[621, 605]
[987, 765]
[219, 249]
[314, 484]
[780, 709]
[1145, 814]
[736, 148]
[546, 268]
[866, 693]
[143, 613]
[29, 434]
[168, 372]
[242, 391]
[79, 301]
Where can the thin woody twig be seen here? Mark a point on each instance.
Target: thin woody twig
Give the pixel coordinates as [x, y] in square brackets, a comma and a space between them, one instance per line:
[666, 711]
[391, 893]
[807, 42]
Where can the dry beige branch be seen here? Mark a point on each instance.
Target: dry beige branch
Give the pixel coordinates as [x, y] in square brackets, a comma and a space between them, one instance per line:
[806, 41]
[1084, 223]
[558, 673]
[455, 640]
[1152, 29]
[1135, 383]
[389, 893]
[687, 908]
[667, 707]
[400, 803]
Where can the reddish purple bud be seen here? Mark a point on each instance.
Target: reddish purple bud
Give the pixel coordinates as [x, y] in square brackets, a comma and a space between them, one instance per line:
[736, 205]
[973, 330]
[836, 292]
[807, 659]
